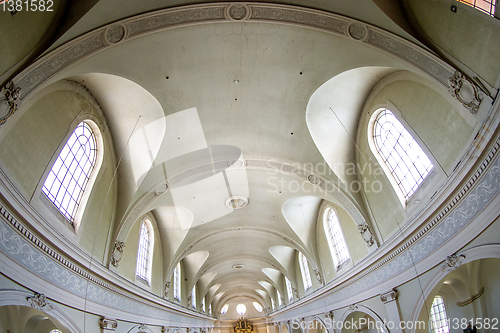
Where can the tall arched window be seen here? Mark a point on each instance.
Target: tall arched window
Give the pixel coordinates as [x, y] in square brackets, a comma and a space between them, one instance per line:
[203, 304]
[306, 275]
[69, 176]
[193, 297]
[289, 289]
[224, 309]
[210, 309]
[177, 282]
[279, 299]
[405, 160]
[144, 251]
[338, 246]
[438, 318]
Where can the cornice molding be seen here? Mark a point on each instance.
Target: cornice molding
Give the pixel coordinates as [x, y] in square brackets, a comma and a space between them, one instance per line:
[121, 31]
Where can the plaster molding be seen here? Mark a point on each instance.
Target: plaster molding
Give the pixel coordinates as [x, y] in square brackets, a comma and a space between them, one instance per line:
[366, 233]
[39, 302]
[118, 32]
[453, 262]
[476, 192]
[116, 256]
[9, 101]
[465, 91]
[108, 324]
[389, 296]
[318, 276]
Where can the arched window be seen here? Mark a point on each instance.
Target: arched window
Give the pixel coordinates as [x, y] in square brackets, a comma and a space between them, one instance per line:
[177, 282]
[257, 306]
[55, 331]
[396, 148]
[338, 246]
[144, 251]
[193, 297]
[203, 304]
[438, 318]
[306, 275]
[210, 309]
[273, 304]
[487, 6]
[69, 176]
[279, 298]
[289, 289]
[224, 309]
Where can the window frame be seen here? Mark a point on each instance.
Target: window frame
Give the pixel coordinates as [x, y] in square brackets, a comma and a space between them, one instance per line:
[338, 264]
[149, 260]
[419, 192]
[306, 273]
[40, 199]
[176, 282]
[431, 321]
[193, 297]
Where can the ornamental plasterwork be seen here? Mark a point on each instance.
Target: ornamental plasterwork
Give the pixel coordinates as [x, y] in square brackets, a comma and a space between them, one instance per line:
[352, 307]
[9, 101]
[39, 302]
[167, 288]
[268, 165]
[465, 92]
[108, 324]
[133, 27]
[453, 262]
[389, 296]
[366, 233]
[318, 276]
[116, 256]
[475, 194]
[473, 197]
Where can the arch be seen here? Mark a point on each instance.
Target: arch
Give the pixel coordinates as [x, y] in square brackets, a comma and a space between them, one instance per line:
[476, 253]
[364, 309]
[20, 298]
[403, 160]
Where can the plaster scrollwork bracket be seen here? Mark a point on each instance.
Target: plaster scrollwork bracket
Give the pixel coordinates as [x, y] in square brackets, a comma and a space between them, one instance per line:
[389, 296]
[465, 92]
[453, 262]
[39, 302]
[167, 288]
[366, 233]
[116, 256]
[295, 292]
[10, 98]
[165, 329]
[108, 324]
[318, 276]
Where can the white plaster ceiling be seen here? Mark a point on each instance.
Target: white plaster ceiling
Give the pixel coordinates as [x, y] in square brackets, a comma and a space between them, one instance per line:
[199, 112]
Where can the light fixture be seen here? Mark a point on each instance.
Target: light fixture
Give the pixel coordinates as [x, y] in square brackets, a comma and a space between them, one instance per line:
[236, 81]
[238, 266]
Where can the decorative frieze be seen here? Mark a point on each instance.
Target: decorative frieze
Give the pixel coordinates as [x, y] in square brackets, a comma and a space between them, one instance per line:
[39, 302]
[9, 101]
[108, 324]
[389, 296]
[116, 256]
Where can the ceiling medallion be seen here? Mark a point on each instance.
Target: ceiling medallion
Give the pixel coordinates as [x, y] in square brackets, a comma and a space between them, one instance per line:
[238, 266]
[236, 202]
